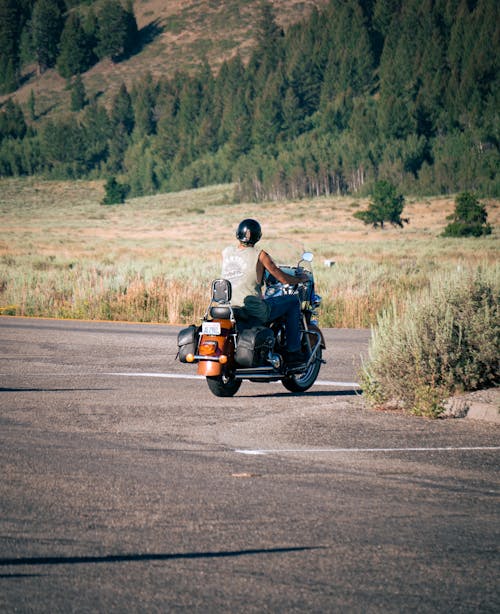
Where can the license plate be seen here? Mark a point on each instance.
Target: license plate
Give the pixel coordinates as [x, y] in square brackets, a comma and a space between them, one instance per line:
[210, 328]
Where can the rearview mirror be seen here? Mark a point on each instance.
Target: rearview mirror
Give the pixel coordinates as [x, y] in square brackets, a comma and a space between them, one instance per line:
[307, 256]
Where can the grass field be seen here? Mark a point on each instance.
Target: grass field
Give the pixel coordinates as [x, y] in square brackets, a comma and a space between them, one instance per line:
[63, 254]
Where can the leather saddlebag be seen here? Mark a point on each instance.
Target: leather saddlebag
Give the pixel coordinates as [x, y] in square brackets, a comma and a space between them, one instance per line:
[254, 345]
[187, 341]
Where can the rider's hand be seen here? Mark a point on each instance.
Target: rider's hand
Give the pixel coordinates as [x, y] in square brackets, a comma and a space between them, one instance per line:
[303, 277]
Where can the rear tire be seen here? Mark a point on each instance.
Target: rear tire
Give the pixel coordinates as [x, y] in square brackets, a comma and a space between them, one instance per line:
[300, 382]
[223, 386]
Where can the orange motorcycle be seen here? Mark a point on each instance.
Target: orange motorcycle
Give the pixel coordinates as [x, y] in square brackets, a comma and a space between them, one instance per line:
[230, 346]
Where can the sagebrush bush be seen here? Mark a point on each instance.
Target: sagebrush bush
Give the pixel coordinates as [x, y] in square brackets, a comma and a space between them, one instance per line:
[443, 342]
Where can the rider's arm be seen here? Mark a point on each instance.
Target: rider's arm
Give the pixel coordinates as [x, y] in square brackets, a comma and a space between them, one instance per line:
[266, 262]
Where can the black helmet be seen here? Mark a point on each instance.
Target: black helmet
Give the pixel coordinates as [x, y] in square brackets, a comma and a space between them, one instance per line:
[249, 232]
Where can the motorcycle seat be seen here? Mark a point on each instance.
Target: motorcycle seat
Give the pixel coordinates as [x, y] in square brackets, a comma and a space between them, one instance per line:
[242, 317]
[221, 312]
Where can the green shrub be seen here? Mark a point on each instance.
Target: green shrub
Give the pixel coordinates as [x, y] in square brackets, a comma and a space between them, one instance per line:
[386, 206]
[443, 342]
[468, 219]
[115, 192]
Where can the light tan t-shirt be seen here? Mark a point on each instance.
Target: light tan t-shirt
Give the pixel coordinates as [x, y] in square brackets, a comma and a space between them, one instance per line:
[239, 266]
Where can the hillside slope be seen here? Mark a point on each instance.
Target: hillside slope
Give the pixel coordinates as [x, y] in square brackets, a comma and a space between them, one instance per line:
[355, 92]
[175, 35]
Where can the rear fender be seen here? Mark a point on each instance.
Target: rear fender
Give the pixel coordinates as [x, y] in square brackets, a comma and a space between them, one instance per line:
[225, 345]
[209, 368]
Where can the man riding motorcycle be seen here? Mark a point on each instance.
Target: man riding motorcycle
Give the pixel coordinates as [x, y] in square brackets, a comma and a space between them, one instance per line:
[244, 265]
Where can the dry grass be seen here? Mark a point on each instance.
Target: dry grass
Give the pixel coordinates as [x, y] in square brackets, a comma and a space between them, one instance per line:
[64, 254]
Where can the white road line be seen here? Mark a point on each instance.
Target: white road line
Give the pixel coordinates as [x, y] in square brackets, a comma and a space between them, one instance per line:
[187, 376]
[343, 384]
[349, 450]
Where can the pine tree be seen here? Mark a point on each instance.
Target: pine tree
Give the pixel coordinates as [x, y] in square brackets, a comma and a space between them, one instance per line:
[398, 76]
[117, 147]
[350, 58]
[90, 25]
[115, 192]
[269, 38]
[78, 94]
[97, 132]
[189, 107]
[140, 166]
[207, 121]
[76, 55]
[469, 218]
[240, 140]
[383, 14]
[122, 112]
[166, 143]
[433, 68]
[144, 101]
[474, 62]
[363, 121]
[9, 75]
[26, 48]
[32, 105]
[9, 45]
[46, 28]
[12, 122]
[117, 30]
[62, 146]
[229, 98]
[306, 58]
[292, 114]
[267, 119]
[386, 206]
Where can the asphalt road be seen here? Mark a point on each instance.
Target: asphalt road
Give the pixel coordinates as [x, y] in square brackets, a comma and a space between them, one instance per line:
[127, 487]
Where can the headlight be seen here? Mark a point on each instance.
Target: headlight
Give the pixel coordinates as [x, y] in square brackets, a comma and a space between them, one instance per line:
[316, 300]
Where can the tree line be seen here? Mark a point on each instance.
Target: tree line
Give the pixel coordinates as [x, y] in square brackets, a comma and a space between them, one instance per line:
[400, 90]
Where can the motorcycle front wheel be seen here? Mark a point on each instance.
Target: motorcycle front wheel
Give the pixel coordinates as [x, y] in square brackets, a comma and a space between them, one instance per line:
[300, 382]
[223, 386]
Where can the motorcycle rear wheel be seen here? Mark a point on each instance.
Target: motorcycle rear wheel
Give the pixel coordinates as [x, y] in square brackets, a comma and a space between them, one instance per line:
[300, 382]
[223, 386]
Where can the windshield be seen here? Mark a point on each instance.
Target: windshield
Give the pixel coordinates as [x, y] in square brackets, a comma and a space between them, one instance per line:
[287, 252]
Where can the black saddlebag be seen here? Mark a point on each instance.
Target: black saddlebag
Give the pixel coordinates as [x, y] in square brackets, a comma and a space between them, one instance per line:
[254, 345]
[187, 341]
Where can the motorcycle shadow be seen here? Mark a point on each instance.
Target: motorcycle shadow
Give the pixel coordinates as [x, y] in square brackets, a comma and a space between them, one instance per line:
[307, 393]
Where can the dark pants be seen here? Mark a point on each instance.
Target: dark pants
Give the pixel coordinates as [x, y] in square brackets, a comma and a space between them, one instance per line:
[289, 307]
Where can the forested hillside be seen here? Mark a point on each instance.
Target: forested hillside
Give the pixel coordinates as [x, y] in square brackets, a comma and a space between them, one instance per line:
[404, 90]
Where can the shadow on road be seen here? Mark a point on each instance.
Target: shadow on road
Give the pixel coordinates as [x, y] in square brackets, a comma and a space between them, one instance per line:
[309, 393]
[20, 575]
[127, 558]
[54, 389]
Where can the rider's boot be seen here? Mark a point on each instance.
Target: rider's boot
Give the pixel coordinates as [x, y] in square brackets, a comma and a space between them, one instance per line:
[294, 359]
